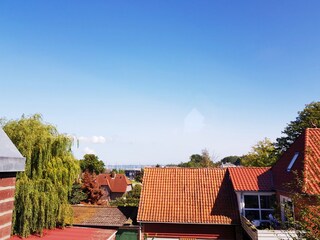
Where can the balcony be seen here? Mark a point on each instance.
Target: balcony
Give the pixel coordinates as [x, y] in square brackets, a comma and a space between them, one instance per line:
[269, 234]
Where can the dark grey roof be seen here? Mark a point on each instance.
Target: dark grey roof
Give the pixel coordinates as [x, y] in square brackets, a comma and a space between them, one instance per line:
[103, 216]
[11, 159]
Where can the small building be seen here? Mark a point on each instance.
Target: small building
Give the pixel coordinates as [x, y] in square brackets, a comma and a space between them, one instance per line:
[188, 203]
[11, 162]
[114, 185]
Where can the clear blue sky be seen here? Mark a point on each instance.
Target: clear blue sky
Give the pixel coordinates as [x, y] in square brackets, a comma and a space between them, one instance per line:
[156, 81]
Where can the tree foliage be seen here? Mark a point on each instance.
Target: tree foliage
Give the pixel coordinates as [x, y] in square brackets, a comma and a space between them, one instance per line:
[131, 198]
[42, 190]
[230, 159]
[139, 176]
[199, 161]
[309, 117]
[91, 163]
[91, 188]
[261, 155]
[77, 195]
[306, 217]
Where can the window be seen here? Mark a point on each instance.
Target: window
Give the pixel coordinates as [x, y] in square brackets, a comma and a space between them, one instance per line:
[295, 156]
[258, 207]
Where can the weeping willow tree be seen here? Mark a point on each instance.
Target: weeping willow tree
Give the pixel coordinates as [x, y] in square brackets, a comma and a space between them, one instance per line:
[42, 190]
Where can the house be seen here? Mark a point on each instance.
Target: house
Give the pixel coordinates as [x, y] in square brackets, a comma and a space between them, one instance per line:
[188, 203]
[181, 203]
[261, 190]
[298, 172]
[114, 185]
[11, 162]
[255, 193]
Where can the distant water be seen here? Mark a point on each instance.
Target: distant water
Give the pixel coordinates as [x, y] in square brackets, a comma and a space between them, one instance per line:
[127, 167]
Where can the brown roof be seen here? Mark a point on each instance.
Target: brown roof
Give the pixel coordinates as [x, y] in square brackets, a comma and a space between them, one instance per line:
[117, 184]
[251, 178]
[187, 195]
[98, 216]
[306, 166]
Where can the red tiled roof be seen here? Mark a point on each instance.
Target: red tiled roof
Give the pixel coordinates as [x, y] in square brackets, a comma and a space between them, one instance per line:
[98, 216]
[187, 195]
[251, 178]
[312, 161]
[72, 234]
[306, 166]
[117, 184]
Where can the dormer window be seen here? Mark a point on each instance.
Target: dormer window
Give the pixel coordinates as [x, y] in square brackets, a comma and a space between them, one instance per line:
[292, 161]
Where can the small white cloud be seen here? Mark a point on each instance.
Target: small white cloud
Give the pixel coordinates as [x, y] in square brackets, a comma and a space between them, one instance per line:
[98, 139]
[194, 121]
[94, 139]
[88, 150]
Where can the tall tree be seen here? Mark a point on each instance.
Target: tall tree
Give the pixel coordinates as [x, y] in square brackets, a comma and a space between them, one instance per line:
[91, 187]
[91, 163]
[41, 199]
[198, 161]
[261, 155]
[309, 117]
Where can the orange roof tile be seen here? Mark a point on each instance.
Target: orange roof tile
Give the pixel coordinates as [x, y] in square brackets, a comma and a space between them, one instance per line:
[312, 161]
[118, 183]
[187, 195]
[251, 178]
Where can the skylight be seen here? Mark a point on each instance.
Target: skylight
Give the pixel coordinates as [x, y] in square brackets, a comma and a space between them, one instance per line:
[292, 161]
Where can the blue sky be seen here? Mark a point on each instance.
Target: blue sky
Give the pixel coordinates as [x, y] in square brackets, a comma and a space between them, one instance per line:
[147, 82]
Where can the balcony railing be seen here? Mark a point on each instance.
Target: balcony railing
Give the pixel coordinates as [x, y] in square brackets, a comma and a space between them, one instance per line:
[258, 234]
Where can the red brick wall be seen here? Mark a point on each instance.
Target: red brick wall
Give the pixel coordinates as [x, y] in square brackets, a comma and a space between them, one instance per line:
[7, 188]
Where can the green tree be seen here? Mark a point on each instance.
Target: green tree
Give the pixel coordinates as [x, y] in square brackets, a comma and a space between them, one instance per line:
[77, 195]
[91, 163]
[309, 117]
[42, 190]
[139, 176]
[117, 171]
[261, 155]
[236, 160]
[131, 198]
[198, 161]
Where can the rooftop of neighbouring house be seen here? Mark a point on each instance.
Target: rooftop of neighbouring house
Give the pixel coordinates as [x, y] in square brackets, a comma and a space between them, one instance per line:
[96, 215]
[11, 159]
[302, 161]
[312, 160]
[117, 182]
[251, 178]
[187, 195]
[72, 233]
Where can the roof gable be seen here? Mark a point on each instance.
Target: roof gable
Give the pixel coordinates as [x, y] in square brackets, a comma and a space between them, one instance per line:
[187, 195]
[251, 178]
[305, 167]
[117, 184]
